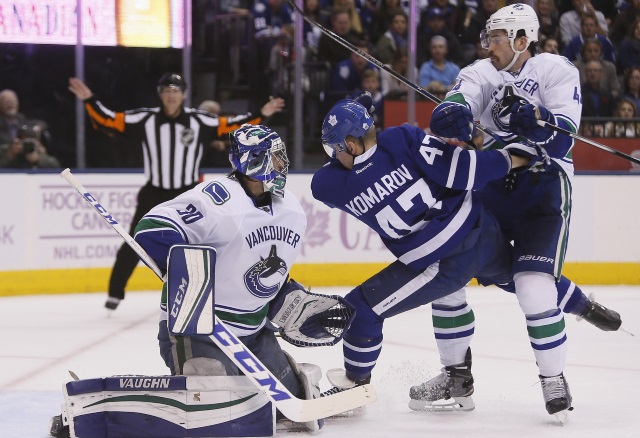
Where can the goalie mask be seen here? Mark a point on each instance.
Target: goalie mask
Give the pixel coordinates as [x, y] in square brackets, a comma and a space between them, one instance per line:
[347, 117]
[511, 19]
[259, 153]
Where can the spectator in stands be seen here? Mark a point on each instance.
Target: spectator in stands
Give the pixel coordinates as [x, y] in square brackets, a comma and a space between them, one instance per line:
[592, 50]
[330, 50]
[549, 45]
[548, 19]
[394, 38]
[589, 32]
[354, 15]
[471, 28]
[271, 20]
[382, 17]
[11, 119]
[217, 154]
[438, 75]
[26, 150]
[451, 11]
[311, 34]
[631, 82]
[392, 88]
[629, 48]
[432, 25]
[625, 109]
[596, 100]
[346, 76]
[623, 21]
[607, 7]
[570, 21]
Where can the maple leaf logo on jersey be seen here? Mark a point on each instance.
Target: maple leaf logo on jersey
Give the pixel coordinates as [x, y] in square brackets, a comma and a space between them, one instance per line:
[501, 110]
[261, 271]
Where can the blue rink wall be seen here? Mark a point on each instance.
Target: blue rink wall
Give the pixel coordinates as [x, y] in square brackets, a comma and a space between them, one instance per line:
[52, 241]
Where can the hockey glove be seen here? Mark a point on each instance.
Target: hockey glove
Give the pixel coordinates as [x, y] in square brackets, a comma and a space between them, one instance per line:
[524, 122]
[365, 99]
[452, 120]
[309, 320]
[537, 156]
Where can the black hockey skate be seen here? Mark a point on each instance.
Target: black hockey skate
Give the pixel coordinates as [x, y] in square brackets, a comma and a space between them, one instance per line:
[112, 303]
[557, 397]
[59, 430]
[449, 391]
[605, 319]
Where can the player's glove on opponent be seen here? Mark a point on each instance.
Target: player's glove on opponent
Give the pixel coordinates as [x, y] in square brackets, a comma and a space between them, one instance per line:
[524, 122]
[305, 319]
[452, 120]
[537, 156]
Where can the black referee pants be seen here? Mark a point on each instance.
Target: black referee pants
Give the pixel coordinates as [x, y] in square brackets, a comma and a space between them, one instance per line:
[126, 259]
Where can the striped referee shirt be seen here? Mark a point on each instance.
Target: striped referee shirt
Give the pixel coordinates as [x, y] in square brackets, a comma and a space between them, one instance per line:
[172, 147]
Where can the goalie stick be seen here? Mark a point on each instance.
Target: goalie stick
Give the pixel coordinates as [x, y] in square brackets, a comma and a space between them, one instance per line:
[291, 407]
[435, 99]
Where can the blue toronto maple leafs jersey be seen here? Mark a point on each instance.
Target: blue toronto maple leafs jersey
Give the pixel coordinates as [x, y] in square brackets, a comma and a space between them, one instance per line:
[414, 190]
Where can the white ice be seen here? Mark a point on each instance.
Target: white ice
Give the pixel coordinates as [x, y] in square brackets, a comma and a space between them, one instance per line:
[42, 337]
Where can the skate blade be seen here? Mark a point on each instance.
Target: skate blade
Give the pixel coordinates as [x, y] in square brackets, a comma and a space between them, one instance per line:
[454, 404]
[623, 329]
[562, 416]
[353, 413]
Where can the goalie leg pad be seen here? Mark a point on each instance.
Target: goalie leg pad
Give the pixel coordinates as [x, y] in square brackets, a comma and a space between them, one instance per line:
[190, 287]
[203, 366]
[309, 376]
[166, 406]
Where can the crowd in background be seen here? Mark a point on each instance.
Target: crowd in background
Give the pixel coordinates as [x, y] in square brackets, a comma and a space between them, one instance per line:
[601, 37]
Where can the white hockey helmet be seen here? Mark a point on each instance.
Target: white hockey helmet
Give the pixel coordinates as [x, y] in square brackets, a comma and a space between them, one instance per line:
[512, 18]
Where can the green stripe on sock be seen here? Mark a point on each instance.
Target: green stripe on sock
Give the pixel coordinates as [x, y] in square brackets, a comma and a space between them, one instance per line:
[546, 331]
[448, 322]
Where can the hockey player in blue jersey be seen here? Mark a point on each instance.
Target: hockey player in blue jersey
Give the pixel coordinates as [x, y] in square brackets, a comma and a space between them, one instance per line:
[510, 92]
[417, 192]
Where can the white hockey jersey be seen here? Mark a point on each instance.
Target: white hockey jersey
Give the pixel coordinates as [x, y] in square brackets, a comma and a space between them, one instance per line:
[256, 246]
[546, 79]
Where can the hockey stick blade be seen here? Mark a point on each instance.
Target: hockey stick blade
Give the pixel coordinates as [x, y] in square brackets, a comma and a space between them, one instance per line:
[588, 141]
[292, 407]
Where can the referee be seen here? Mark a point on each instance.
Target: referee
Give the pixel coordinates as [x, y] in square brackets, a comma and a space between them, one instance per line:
[172, 139]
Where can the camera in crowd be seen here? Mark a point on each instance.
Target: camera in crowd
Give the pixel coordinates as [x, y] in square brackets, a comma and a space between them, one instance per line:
[28, 145]
[32, 133]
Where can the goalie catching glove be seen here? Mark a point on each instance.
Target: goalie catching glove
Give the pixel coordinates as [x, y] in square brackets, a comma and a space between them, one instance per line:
[305, 319]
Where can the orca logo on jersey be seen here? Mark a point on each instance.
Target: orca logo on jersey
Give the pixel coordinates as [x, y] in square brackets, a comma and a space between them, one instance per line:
[501, 110]
[263, 269]
[187, 137]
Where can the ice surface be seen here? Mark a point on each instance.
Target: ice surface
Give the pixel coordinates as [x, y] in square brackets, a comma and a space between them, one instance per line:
[45, 336]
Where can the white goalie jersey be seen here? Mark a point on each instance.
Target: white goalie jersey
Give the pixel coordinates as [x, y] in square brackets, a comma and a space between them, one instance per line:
[548, 80]
[255, 246]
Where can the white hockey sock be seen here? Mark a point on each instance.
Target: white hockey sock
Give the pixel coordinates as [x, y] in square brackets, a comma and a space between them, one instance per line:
[453, 326]
[537, 296]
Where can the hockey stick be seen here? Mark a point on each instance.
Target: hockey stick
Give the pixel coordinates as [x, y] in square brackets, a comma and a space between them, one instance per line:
[382, 66]
[588, 141]
[291, 407]
[435, 99]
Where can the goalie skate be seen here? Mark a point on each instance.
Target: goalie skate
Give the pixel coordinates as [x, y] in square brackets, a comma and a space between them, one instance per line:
[449, 391]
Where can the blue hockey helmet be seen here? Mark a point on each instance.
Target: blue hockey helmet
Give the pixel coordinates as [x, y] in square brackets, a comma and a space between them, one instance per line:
[345, 118]
[258, 152]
